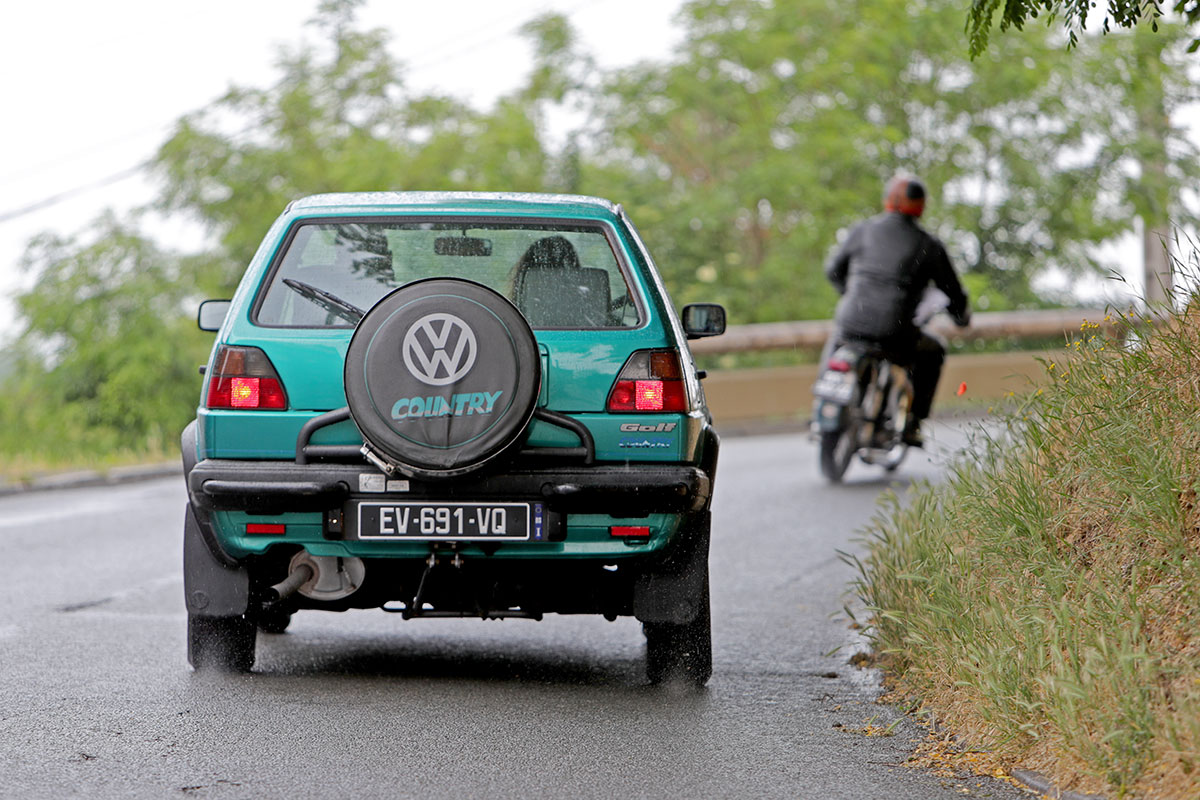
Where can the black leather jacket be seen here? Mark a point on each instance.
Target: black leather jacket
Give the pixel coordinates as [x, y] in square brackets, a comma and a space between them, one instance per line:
[881, 271]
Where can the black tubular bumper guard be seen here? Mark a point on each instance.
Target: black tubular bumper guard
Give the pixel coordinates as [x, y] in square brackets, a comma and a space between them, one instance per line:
[306, 451]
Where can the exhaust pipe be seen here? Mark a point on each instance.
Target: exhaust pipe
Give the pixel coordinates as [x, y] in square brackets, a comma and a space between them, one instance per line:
[320, 577]
[301, 574]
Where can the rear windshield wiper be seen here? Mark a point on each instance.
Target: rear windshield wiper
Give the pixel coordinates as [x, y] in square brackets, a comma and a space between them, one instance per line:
[326, 300]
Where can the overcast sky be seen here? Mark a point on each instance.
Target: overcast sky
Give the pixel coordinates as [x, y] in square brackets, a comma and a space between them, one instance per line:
[91, 89]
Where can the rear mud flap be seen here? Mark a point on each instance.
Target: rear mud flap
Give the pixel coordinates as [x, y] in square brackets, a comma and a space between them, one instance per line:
[210, 588]
[673, 590]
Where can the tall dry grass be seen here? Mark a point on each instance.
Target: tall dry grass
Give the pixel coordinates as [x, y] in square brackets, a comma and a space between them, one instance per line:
[1045, 600]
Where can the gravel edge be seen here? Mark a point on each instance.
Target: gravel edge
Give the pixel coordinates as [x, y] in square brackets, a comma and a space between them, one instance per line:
[84, 478]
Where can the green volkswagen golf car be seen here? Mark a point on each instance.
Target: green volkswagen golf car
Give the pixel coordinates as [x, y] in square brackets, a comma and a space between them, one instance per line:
[451, 405]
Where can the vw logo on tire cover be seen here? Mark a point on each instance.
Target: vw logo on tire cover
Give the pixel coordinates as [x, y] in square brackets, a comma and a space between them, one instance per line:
[439, 349]
[441, 376]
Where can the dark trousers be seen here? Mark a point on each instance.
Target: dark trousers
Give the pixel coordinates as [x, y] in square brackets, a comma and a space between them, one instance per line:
[924, 370]
[924, 357]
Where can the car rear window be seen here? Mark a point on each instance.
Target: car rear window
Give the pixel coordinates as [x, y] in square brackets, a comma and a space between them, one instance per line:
[558, 275]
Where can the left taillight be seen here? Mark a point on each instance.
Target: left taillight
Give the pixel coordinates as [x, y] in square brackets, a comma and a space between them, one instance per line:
[650, 381]
[244, 378]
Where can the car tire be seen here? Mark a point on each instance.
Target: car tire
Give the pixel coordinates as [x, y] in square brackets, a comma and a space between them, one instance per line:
[224, 644]
[681, 653]
[442, 377]
[273, 620]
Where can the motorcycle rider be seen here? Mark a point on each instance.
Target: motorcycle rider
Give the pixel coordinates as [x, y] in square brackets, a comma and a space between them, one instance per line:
[881, 271]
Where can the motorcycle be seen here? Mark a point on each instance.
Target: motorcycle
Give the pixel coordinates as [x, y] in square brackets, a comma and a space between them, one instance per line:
[863, 401]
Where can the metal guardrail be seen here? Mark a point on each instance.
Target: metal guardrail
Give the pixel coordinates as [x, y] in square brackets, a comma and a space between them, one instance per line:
[811, 334]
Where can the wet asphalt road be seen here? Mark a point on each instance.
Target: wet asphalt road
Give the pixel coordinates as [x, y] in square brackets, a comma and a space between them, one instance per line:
[98, 700]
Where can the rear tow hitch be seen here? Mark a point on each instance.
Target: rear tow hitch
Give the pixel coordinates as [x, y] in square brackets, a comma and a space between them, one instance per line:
[417, 606]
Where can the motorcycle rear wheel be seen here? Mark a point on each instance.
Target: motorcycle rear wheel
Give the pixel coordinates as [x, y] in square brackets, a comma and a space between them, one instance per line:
[900, 403]
[837, 449]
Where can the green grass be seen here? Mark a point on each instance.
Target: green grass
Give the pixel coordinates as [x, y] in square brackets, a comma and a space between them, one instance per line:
[25, 466]
[1045, 598]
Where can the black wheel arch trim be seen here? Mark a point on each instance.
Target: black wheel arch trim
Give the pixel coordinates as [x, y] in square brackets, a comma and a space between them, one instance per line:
[197, 513]
[708, 458]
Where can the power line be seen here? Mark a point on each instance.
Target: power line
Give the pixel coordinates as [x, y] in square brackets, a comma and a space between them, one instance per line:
[129, 35]
[423, 66]
[55, 199]
[129, 172]
[34, 169]
[422, 62]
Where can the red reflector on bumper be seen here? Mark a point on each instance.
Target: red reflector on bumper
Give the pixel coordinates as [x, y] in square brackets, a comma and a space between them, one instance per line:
[265, 528]
[630, 531]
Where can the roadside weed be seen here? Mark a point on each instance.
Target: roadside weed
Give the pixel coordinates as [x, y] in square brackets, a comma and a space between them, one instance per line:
[1046, 596]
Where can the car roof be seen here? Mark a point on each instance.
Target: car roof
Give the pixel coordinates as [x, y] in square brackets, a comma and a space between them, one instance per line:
[488, 202]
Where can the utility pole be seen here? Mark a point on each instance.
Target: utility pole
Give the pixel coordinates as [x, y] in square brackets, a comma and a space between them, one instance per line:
[1156, 263]
[1154, 191]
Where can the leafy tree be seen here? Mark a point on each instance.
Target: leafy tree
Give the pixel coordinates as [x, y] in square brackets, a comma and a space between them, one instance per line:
[778, 123]
[741, 157]
[107, 358]
[1074, 14]
[340, 119]
[1145, 85]
[1136, 82]
[109, 350]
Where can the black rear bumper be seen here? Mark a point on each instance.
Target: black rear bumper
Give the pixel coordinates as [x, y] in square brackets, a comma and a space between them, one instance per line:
[270, 487]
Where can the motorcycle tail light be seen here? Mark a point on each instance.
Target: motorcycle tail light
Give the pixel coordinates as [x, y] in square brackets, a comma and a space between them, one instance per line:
[244, 378]
[839, 365]
[650, 381]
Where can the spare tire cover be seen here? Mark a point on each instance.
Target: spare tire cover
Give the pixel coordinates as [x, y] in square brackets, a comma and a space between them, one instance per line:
[442, 375]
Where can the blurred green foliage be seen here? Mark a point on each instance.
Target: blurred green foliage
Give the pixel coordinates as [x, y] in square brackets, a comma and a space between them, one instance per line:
[109, 355]
[741, 156]
[777, 125]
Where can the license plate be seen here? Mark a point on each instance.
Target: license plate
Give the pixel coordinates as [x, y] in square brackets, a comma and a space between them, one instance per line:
[836, 387]
[459, 522]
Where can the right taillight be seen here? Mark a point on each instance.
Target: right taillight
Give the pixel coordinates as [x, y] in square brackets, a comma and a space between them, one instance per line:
[244, 378]
[651, 381]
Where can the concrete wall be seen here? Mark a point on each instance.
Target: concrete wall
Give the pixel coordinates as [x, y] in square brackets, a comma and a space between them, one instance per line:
[781, 393]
